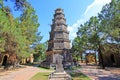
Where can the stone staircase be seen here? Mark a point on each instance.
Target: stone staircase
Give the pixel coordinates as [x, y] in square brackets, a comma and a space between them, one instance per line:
[59, 76]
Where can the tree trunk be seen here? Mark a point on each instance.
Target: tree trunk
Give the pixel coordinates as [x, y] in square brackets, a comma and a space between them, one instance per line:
[101, 58]
[95, 58]
[81, 58]
[77, 58]
[86, 60]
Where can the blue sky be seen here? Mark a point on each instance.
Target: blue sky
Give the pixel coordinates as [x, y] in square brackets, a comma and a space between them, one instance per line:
[73, 10]
[76, 13]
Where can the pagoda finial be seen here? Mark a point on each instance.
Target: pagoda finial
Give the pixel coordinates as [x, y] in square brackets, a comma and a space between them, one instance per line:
[59, 10]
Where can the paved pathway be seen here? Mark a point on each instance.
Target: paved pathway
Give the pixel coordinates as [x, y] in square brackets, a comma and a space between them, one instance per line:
[21, 74]
[100, 74]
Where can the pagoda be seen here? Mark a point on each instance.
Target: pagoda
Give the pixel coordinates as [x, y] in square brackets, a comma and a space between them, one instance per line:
[59, 43]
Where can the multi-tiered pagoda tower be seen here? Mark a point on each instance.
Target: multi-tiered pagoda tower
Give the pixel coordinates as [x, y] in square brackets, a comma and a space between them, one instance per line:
[59, 43]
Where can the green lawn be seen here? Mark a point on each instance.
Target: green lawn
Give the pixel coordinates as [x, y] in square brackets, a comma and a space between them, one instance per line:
[41, 76]
[75, 76]
[44, 68]
[79, 76]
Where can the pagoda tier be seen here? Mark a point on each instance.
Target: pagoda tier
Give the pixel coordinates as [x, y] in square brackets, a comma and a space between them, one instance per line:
[59, 36]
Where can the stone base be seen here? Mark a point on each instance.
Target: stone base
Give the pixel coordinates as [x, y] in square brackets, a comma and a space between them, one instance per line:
[59, 76]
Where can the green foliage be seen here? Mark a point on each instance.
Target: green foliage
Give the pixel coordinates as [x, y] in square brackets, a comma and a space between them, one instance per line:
[8, 30]
[40, 50]
[18, 4]
[78, 48]
[28, 26]
[98, 29]
[18, 34]
[110, 20]
[111, 48]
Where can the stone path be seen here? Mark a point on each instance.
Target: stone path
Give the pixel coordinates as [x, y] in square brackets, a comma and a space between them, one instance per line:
[21, 74]
[100, 74]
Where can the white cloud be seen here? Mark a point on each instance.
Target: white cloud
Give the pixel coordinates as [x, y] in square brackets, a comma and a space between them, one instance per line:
[92, 10]
[97, 3]
[72, 29]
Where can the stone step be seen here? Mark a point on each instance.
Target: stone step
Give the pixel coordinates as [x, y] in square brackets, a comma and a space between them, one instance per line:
[58, 79]
[59, 76]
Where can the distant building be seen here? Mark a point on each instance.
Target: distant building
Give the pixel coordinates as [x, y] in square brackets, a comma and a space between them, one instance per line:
[3, 58]
[11, 59]
[59, 43]
[111, 55]
[90, 58]
[7, 59]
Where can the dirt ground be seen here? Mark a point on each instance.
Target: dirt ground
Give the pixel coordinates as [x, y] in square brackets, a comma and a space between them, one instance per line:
[20, 74]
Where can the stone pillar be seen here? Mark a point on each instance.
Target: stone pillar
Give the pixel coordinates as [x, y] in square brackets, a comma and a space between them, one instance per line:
[59, 65]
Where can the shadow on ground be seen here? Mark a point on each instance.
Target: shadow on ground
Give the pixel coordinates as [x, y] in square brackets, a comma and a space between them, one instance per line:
[108, 78]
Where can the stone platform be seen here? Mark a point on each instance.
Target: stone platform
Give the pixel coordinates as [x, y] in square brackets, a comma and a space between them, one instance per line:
[59, 76]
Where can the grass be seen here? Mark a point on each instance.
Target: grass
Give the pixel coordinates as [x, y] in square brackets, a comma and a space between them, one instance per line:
[79, 76]
[41, 76]
[74, 68]
[44, 68]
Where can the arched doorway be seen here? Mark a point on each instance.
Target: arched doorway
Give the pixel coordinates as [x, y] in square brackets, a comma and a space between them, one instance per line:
[4, 60]
[113, 59]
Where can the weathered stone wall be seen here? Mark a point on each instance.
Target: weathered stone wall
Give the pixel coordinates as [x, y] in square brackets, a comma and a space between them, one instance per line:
[111, 54]
[2, 55]
[8, 59]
